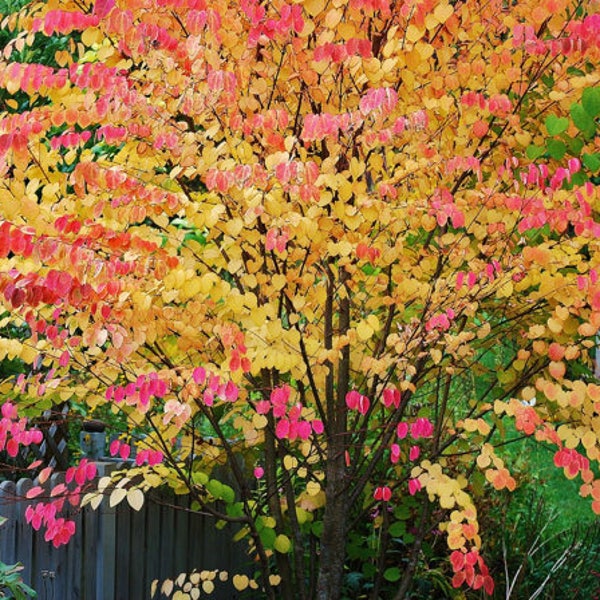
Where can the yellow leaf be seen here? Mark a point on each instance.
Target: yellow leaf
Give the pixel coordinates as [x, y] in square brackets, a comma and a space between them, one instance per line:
[259, 421]
[274, 579]
[505, 290]
[442, 12]
[313, 488]
[208, 587]
[413, 33]
[135, 498]
[282, 544]
[240, 582]
[555, 325]
[278, 281]
[447, 501]
[93, 499]
[91, 36]
[431, 22]
[364, 331]
[314, 7]
[588, 440]
[269, 522]
[290, 462]
[116, 496]
[28, 354]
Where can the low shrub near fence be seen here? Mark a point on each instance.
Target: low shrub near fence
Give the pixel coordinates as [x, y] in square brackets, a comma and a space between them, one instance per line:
[118, 552]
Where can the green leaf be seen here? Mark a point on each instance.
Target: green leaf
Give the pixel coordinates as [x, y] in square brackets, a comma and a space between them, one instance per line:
[591, 161]
[556, 149]
[591, 101]
[369, 570]
[556, 125]
[267, 537]
[583, 120]
[397, 529]
[392, 574]
[215, 488]
[227, 494]
[402, 512]
[575, 145]
[534, 152]
[578, 179]
[199, 478]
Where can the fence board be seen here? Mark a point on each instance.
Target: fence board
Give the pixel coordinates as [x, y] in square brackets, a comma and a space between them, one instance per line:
[8, 531]
[167, 541]
[137, 580]
[124, 542]
[89, 551]
[23, 538]
[152, 558]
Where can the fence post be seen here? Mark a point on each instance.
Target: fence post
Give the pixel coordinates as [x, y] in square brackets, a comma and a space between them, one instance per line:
[107, 540]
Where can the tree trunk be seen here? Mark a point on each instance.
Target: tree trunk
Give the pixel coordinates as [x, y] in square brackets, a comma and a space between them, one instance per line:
[333, 539]
[335, 519]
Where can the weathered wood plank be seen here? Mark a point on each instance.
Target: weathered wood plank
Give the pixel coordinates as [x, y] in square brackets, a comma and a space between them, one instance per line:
[152, 545]
[23, 531]
[124, 541]
[8, 509]
[137, 572]
[90, 552]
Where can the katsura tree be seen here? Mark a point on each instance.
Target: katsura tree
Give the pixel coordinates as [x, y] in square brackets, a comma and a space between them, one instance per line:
[324, 256]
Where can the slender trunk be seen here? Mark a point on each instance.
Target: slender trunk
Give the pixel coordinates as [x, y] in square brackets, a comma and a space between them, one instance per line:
[337, 507]
[283, 564]
[409, 573]
[333, 539]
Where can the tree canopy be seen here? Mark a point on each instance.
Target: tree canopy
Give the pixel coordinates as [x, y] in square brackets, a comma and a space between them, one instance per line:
[343, 248]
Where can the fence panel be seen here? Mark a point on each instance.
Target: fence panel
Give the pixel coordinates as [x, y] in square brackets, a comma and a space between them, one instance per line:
[116, 553]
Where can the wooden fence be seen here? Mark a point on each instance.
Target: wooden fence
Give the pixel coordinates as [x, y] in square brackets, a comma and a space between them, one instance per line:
[117, 552]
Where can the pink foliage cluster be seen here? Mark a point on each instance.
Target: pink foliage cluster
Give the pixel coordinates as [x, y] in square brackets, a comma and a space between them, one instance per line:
[498, 104]
[62, 21]
[440, 321]
[144, 456]
[391, 397]
[264, 29]
[465, 566]
[215, 387]
[14, 431]
[59, 530]
[277, 239]
[70, 139]
[357, 401]
[582, 34]
[420, 428]
[445, 210]
[571, 461]
[139, 392]
[290, 424]
[490, 271]
[369, 253]
[337, 53]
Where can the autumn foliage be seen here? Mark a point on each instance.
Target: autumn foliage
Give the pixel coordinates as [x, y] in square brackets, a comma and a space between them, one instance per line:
[337, 247]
